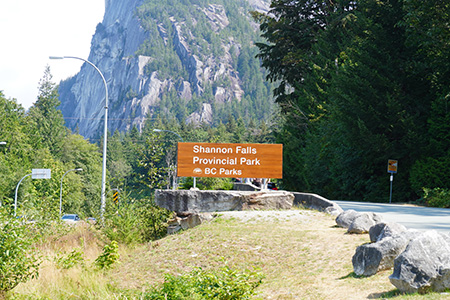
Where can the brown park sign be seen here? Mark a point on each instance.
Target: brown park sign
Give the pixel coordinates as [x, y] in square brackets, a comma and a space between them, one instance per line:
[230, 160]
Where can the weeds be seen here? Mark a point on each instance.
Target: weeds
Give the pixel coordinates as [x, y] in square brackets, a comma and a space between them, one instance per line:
[222, 284]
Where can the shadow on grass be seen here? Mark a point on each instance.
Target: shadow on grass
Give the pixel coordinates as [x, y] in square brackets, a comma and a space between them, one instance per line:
[386, 295]
[352, 275]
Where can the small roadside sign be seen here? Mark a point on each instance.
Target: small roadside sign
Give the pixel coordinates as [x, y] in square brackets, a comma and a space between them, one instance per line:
[392, 166]
[41, 173]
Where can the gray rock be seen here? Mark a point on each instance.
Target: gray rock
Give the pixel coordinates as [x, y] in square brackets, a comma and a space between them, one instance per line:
[345, 219]
[373, 257]
[267, 200]
[381, 230]
[204, 115]
[363, 222]
[134, 93]
[424, 265]
[195, 201]
[187, 221]
[313, 201]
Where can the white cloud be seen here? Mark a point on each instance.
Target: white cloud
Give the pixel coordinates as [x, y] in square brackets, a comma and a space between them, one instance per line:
[31, 31]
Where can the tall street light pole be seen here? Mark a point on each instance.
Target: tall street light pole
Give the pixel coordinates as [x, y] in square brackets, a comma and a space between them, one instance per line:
[60, 191]
[161, 130]
[105, 134]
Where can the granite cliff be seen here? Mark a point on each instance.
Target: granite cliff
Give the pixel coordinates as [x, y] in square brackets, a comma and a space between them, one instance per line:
[185, 59]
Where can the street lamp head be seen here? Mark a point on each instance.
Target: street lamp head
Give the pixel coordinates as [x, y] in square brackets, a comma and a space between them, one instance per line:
[157, 130]
[56, 57]
[79, 169]
[2, 143]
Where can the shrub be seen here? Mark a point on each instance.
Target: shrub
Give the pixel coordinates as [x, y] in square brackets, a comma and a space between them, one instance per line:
[431, 173]
[70, 260]
[222, 284]
[137, 222]
[122, 226]
[18, 260]
[109, 256]
[437, 197]
[208, 183]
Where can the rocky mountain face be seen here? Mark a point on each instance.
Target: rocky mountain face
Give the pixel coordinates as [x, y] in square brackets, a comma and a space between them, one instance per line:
[186, 61]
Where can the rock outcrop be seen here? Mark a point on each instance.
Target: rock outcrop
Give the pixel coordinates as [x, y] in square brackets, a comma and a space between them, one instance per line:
[317, 202]
[136, 83]
[196, 201]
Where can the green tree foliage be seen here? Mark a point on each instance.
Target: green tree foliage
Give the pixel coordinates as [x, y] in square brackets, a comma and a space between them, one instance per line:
[135, 221]
[18, 260]
[359, 85]
[109, 256]
[40, 140]
[44, 116]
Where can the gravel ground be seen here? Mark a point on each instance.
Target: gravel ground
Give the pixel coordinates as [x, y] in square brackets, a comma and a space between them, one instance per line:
[267, 215]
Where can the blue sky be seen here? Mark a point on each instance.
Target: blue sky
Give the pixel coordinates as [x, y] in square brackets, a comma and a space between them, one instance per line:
[33, 30]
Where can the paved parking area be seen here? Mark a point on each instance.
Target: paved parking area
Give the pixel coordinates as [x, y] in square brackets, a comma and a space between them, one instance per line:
[417, 217]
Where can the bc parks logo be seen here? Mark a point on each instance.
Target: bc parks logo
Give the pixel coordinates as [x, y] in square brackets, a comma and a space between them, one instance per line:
[215, 171]
[197, 171]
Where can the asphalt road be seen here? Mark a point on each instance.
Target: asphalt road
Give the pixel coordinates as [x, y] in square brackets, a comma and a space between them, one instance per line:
[422, 218]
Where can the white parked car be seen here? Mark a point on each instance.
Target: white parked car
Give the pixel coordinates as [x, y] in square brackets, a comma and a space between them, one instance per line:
[70, 218]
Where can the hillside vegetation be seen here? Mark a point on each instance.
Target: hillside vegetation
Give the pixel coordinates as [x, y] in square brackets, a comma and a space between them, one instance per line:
[302, 256]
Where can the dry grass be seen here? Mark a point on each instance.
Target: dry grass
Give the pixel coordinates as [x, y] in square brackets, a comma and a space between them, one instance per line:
[302, 257]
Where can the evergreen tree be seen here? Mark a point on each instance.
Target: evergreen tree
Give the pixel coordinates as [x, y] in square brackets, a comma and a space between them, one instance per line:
[45, 117]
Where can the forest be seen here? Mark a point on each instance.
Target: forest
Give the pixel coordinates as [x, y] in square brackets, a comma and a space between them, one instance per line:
[137, 162]
[358, 83]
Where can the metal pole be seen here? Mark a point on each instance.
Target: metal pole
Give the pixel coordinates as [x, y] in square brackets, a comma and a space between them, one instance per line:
[60, 190]
[390, 192]
[105, 134]
[15, 196]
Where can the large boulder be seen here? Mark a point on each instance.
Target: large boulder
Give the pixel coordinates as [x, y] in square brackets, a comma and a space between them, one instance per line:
[184, 222]
[381, 230]
[345, 218]
[195, 201]
[373, 257]
[266, 200]
[424, 265]
[313, 201]
[363, 222]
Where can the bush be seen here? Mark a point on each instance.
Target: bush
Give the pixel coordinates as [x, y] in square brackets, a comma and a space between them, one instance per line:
[137, 222]
[109, 256]
[208, 183]
[70, 260]
[431, 173]
[18, 260]
[437, 197]
[223, 284]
